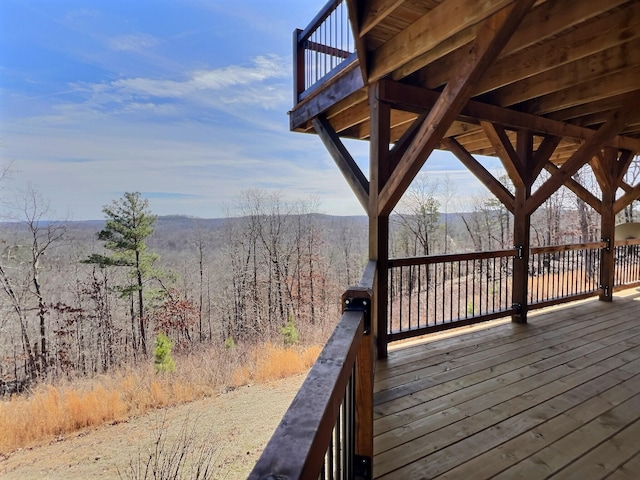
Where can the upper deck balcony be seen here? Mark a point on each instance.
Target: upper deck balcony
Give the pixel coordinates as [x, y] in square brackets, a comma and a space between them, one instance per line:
[564, 70]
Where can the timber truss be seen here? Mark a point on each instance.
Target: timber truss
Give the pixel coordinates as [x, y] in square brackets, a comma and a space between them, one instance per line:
[542, 85]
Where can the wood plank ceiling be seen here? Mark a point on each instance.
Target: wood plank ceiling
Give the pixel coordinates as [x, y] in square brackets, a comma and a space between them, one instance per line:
[570, 66]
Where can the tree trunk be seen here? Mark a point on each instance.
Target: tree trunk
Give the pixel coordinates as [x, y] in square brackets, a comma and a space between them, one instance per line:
[143, 333]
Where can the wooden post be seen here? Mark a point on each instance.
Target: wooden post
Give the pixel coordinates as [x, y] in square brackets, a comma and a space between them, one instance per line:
[298, 67]
[521, 241]
[607, 223]
[379, 166]
[522, 226]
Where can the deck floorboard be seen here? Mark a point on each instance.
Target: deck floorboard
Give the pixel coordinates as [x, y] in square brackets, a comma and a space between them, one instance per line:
[557, 398]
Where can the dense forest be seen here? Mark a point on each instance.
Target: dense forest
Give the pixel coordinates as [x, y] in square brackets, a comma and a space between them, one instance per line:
[80, 298]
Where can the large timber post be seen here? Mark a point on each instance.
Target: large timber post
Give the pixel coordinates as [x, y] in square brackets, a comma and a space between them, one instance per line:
[379, 171]
[522, 224]
[604, 167]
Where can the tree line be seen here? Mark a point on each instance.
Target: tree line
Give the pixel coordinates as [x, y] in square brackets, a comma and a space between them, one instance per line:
[80, 299]
[81, 303]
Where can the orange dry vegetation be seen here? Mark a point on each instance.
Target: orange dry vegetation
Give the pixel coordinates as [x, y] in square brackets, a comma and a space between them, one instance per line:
[54, 410]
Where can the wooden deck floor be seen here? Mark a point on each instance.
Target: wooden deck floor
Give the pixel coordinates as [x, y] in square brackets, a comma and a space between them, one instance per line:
[557, 398]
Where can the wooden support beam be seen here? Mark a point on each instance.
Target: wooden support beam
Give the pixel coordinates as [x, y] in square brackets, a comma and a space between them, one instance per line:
[401, 146]
[582, 193]
[584, 153]
[418, 99]
[379, 173]
[345, 162]
[492, 36]
[495, 187]
[440, 23]
[543, 154]
[607, 231]
[522, 228]
[626, 199]
[505, 152]
[603, 165]
[626, 157]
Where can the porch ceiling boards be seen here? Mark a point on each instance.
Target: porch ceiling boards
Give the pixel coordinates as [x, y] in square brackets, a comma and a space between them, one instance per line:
[568, 67]
[556, 398]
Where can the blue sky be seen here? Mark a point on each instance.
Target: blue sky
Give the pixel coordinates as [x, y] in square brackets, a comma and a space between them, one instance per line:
[184, 101]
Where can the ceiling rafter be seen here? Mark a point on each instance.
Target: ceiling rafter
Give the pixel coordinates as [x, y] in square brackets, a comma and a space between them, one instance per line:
[586, 69]
[448, 18]
[602, 34]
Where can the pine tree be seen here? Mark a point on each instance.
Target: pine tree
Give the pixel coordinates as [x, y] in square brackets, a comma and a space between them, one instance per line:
[129, 223]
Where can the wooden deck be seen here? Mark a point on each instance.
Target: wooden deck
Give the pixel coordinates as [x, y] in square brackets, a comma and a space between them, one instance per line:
[557, 398]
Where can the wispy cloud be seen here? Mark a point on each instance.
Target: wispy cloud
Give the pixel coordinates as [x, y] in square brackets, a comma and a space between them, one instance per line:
[73, 160]
[263, 68]
[136, 42]
[170, 195]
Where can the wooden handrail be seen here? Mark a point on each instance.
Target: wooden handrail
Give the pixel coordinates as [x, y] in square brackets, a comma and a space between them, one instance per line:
[450, 257]
[456, 257]
[631, 241]
[568, 248]
[322, 15]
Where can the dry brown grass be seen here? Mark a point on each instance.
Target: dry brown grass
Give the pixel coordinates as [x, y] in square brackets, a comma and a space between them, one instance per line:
[272, 362]
[53, 410]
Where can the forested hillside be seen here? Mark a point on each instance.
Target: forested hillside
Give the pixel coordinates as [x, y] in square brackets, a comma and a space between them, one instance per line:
[272, 271]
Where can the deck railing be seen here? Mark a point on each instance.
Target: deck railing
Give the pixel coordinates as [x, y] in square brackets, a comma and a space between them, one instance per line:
[432, 293]
[327, 432]
[428, 294]
[564, 273]
[322, 49]
[627, 273]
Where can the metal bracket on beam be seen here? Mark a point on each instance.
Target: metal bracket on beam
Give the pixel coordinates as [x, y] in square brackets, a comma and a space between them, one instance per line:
[362, 467]
[517, 308]
[363, 305]
[519, 251]
[608, 242]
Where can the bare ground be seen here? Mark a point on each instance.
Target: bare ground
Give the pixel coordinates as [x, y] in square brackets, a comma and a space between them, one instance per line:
[237, 425]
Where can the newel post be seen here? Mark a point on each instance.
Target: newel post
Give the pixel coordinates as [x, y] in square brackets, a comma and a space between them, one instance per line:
[360, 298]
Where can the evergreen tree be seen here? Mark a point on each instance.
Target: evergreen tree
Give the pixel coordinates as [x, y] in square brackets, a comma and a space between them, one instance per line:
[129, 223]
[163, 360]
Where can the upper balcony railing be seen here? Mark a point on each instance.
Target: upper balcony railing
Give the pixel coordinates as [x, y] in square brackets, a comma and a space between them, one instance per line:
[322, 49]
